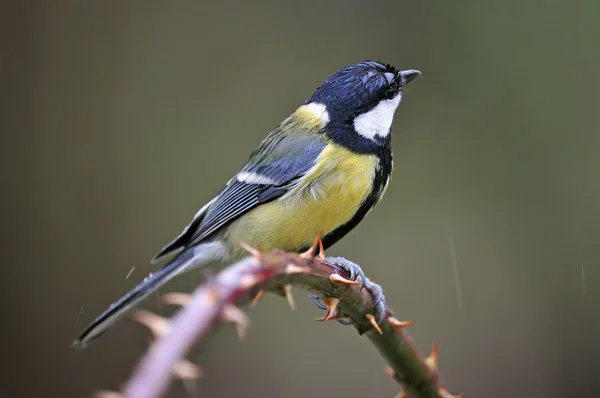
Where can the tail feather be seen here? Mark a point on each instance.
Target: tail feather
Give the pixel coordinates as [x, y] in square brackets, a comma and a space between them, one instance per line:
[185, 260]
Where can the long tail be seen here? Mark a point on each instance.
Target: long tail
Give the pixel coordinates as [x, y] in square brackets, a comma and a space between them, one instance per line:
[187, 259]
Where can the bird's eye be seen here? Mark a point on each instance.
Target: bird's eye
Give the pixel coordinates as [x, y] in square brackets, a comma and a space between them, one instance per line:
[391, 92]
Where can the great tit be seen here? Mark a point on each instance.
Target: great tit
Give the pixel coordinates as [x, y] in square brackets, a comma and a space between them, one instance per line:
[319, 172]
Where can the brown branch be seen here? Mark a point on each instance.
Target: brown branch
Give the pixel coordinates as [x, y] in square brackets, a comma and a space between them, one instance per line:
[216, 301]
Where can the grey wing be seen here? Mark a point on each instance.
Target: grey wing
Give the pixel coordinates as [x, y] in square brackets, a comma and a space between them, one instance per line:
[271, 170]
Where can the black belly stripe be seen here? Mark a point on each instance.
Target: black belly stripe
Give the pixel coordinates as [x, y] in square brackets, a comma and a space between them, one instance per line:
[381, 177]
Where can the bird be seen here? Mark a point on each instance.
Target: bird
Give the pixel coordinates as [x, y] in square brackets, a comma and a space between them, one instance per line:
[318, 173]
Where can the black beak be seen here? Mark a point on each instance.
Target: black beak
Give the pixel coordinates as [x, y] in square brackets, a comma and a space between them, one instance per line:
[407, 75]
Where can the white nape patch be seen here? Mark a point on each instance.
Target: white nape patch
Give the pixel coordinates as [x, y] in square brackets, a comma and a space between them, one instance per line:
[320, 110]
[254, 178]
[378, 121]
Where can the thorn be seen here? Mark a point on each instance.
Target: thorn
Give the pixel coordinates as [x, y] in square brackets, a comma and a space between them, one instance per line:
[372, 278]
[186, 370]
[398, 324]
[257, 298]
[249, 249]
[373, 322]
[389, 371]
[231, 313]
[180, 299]
[443, 393]
[248, 281]
[331, 303]
[309, 253]
[287, 289]
[107, 394]
[432, 359]
[321, 255]
[213, 295]
[294, 269]
[157, 324]
[337, 279]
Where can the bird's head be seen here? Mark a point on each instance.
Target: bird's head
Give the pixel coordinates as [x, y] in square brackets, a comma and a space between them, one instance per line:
[358, 102]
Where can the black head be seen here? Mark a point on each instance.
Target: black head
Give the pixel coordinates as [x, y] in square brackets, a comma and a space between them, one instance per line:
[361, 100]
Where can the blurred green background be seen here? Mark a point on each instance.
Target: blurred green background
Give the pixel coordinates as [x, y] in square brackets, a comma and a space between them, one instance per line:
[119, 120]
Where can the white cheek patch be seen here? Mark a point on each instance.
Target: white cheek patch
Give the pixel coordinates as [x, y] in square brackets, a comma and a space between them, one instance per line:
[378, 121]
[319, 110]
[253, 178]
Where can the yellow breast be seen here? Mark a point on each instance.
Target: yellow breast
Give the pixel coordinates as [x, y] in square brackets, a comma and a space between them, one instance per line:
[326, 198]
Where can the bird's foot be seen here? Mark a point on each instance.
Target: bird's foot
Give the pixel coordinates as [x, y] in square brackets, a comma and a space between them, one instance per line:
[356, 276]
[353, 270]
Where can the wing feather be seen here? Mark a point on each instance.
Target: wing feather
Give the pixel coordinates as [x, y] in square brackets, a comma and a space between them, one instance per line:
[237, 198]
[280, 160]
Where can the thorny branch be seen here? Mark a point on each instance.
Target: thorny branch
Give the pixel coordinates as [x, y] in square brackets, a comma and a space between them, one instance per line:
[217, 300]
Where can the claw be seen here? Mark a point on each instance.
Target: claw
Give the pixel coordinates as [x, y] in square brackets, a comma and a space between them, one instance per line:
[432, 359]
[310, 252]
[287, 289]
[257, 297]
[338, 279]
[249, 249]
[157, 325]
[398, 324]
[373, 322]
[180, 299]
[231, 313]
[317, 301]
[345, 321]
[331, 304]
